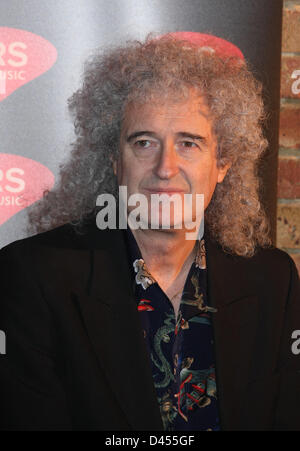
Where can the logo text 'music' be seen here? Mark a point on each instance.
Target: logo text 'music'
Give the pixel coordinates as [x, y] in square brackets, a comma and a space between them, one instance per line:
[23, 57]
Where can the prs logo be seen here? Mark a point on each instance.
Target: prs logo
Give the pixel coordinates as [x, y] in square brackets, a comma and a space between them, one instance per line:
[23, 57]
[22, 182]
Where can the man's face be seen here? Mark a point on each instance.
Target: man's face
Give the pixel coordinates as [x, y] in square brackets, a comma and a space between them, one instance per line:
[169, 149]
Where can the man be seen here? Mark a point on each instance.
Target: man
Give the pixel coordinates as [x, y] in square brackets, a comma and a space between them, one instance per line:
[140, 328]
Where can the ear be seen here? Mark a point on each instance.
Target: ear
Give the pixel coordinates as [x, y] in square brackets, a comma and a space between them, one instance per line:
[222, 172]
[115, 167]
[114, 164]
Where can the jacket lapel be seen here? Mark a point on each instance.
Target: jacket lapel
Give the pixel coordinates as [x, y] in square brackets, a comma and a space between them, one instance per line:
[111, 318]
[231, 290]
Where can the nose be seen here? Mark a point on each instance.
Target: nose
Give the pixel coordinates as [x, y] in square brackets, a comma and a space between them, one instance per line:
[167, 164]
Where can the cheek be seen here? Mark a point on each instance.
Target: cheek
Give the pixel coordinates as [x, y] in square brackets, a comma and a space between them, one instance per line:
[204, 180]
[129, 176]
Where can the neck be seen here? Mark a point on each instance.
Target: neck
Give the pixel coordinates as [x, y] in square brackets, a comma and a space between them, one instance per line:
[167, 253]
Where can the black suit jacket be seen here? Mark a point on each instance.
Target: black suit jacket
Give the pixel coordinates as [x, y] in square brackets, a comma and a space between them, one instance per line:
[76, 357]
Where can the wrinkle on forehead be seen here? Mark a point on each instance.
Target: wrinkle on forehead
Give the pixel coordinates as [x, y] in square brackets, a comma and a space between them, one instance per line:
[169, 108]
[166, 117]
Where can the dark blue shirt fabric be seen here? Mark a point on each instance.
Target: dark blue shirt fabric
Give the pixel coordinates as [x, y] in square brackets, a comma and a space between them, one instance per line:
[180, 349]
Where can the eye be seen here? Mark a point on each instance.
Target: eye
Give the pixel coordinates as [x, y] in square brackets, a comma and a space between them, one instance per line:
[189, 143]
[186, 145]
[146, 144]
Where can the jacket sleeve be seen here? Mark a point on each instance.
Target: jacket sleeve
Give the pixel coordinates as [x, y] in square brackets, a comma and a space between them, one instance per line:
[31, 392]
[288, 401]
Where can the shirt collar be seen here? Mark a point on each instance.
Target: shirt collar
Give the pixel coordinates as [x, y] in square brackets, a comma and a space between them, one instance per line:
[139, 271]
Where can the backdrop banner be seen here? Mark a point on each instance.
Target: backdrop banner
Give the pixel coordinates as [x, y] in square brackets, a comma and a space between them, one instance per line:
[43, 46]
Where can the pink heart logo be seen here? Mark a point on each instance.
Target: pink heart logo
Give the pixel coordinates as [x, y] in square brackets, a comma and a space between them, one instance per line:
[23, 57]
[208, 42]
[22, 182]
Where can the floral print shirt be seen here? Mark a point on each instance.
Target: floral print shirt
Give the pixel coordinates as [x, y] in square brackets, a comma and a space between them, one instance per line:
[180, 349]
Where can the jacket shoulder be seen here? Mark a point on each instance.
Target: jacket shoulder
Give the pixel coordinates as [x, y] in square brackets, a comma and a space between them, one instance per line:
[64, 236]
[274, 258]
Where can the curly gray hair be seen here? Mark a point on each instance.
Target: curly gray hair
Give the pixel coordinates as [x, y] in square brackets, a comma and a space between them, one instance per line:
[235, 217]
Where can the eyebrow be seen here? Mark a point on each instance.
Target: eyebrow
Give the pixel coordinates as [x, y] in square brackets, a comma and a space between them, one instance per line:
[140, 133]
[191, 135]
[179, 134]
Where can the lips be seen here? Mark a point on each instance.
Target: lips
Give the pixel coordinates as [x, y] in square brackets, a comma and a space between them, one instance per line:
[165, 190]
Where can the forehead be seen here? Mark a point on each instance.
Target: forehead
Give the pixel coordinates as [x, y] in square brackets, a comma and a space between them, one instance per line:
[172, 114]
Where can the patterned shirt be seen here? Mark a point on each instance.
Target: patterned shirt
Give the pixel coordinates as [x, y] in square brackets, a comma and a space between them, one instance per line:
[180, 350]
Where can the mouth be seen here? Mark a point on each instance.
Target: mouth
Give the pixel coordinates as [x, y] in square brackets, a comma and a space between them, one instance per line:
[168, 191]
